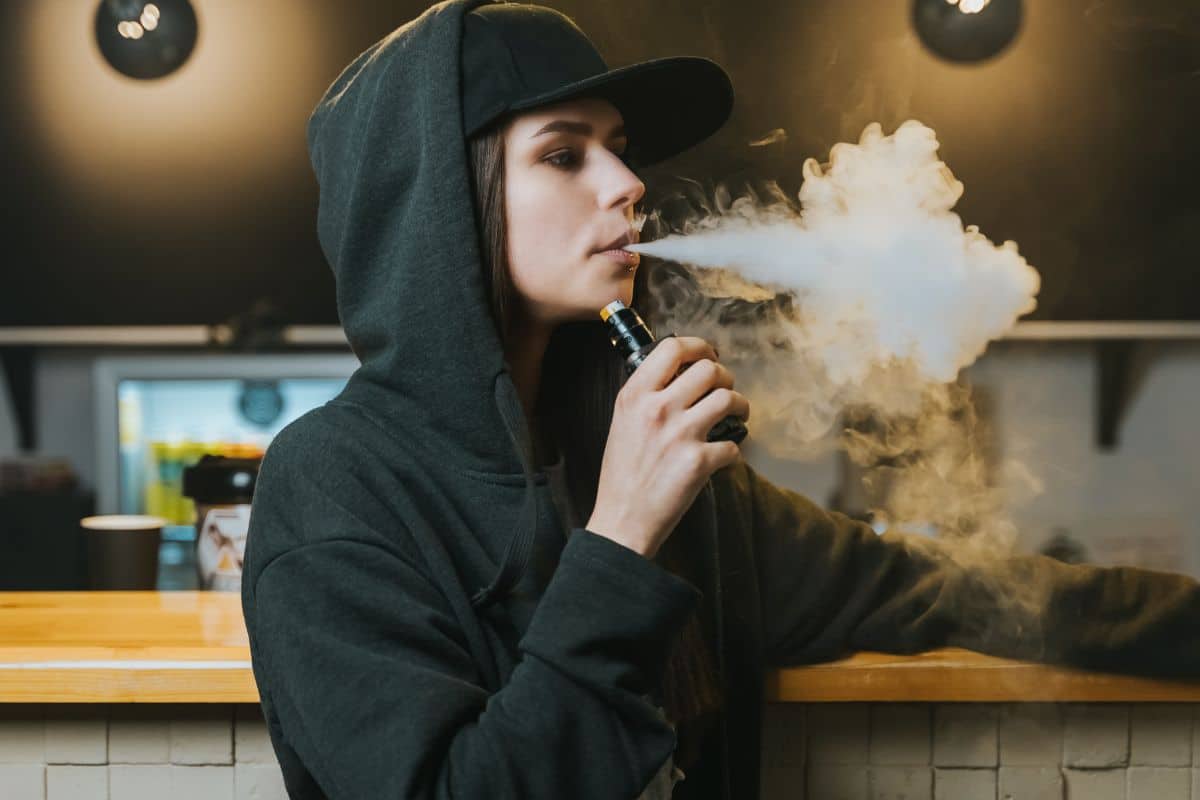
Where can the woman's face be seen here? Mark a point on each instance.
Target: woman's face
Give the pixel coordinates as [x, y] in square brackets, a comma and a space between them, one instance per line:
[568, 195]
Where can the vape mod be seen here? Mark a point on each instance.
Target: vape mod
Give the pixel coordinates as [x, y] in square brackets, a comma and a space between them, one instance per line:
[630, 335]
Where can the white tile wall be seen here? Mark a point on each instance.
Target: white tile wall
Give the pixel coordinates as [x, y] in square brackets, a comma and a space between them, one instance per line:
[1031, 734]
[1096, 736]
[1196, 737]
[785, 783]
[900, 783]
[23, 781]
[837, 733]
[786, 746]
[69, 782]
[201, 783]
[264, 782]
[139, 781]
[900, 734]
[76, 734]
[957, 751]
[139, 752]
[1095, 784]
[202, 735]
[964, 784]
[837, 781]
[1160, 735]
[253, 745]
[22, 734]
[1158, 783]
[1031, 783]
[821, 751]
[139, 734]
[965, 735]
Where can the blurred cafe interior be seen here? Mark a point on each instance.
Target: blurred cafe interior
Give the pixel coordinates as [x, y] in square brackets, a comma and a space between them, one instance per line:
[166, 309]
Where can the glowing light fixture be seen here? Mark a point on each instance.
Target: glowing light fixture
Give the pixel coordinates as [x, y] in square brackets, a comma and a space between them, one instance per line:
[146, 40]
[969, 6]
[967, 30]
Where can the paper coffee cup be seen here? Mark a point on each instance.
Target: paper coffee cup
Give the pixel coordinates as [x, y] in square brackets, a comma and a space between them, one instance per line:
[122, 550]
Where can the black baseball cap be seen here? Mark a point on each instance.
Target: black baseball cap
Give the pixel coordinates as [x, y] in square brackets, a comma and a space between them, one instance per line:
[517, 56]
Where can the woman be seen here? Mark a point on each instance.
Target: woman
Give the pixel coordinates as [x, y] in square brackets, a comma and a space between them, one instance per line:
[492, 568]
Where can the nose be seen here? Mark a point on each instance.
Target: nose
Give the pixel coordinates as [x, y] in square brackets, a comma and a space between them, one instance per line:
[621, 187]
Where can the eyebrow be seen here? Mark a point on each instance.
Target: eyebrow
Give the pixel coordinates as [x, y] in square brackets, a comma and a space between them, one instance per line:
[579, 128]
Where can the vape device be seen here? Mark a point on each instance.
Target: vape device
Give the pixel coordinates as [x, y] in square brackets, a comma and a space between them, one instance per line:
[630, 335]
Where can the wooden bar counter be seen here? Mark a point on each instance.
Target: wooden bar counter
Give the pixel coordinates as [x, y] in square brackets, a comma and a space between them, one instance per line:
[191, 647]
[150, 694]
[124, 647]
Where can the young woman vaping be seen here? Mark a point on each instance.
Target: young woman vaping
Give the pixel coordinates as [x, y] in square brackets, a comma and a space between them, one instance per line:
[497, 567]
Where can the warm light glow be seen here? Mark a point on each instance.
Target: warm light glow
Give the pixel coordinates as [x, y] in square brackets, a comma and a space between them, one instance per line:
[969, 6]
[130, 30]
[244, 97]
[149, 17]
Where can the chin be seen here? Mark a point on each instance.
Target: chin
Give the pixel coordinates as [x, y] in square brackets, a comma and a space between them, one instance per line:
[596, 296]
[623, 292]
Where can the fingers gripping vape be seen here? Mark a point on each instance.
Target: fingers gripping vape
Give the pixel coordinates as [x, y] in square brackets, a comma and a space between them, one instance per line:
[630, 335]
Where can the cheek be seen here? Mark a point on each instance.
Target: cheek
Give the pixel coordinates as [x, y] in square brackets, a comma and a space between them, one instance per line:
[531, 245]
[543, 235]
[539, 211]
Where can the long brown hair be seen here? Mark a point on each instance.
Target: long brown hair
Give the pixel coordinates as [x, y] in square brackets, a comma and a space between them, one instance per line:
[581, 376]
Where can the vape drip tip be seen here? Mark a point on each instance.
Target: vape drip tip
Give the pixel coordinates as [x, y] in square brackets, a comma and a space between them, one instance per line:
[630, 335]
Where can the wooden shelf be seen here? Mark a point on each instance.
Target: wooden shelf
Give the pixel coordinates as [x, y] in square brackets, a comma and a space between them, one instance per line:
[334, 336]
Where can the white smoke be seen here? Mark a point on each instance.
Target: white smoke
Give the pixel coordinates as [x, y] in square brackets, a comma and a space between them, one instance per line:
[875, 247]
[870, 294]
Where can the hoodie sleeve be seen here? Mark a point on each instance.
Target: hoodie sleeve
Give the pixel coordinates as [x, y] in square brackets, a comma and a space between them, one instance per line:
[830, 585]
[375, 690]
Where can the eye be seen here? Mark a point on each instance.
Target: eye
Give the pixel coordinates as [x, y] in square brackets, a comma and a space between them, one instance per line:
[569, 160]
[563, 159]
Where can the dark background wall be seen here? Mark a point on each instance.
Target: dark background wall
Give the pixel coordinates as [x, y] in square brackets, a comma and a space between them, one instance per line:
[186, 199]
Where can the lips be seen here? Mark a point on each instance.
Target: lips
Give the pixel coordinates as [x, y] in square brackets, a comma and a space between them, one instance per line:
[623, 257]
[619, 242]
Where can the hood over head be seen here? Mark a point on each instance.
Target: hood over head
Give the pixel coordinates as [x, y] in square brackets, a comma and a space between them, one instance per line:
[396, 221]
[397, 225]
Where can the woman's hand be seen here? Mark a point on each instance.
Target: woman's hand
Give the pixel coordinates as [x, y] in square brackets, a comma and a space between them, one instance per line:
[657, 457]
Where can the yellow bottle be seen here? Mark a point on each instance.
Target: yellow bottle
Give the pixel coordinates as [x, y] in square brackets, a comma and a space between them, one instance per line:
[157, 479]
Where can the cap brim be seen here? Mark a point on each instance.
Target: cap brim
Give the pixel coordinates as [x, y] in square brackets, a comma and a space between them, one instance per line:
[668, 104]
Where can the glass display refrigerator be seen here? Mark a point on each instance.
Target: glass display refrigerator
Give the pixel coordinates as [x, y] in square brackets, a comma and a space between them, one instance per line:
[157, 415]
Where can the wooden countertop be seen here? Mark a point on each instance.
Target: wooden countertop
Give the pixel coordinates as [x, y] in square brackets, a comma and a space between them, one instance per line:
[191, 647]
[952, 675]
[124, 647]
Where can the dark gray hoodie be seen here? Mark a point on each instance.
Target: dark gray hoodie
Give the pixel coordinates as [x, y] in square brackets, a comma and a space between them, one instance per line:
[422, 626]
